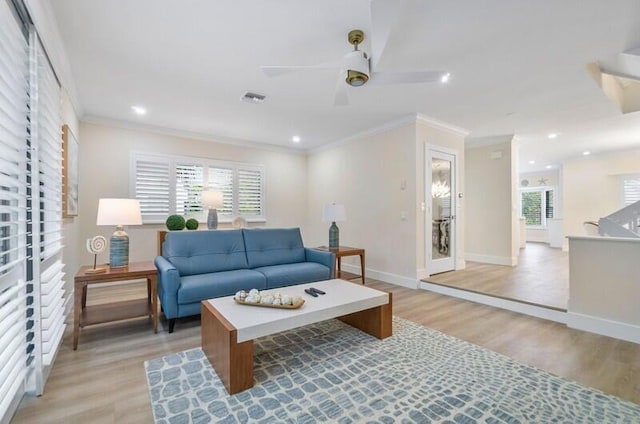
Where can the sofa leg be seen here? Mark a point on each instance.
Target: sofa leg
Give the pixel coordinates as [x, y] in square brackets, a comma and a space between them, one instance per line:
[172, 323]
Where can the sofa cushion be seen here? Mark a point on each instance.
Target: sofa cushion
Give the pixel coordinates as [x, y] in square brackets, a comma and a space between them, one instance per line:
[201, 252]
[290, 274]
[195, 288]
[273, 246]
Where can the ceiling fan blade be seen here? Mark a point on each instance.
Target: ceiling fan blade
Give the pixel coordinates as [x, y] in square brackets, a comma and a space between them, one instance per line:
[405, 77]
[341, 96]
[274, 71]
[386, 17]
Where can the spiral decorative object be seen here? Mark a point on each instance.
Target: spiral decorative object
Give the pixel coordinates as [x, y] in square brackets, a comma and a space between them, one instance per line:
[96, 245]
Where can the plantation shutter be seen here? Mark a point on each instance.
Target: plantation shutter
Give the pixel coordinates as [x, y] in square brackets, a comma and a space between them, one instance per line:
[152, 187]
[548, 197]
[631, 189]
[49, 290]
[189, 182]
[221, 179]
[250, 192]
[14, 124]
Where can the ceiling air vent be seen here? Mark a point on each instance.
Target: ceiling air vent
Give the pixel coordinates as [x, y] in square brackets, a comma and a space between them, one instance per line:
[250, 97]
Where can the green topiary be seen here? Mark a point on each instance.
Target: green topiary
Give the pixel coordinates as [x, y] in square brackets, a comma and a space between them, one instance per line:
[175, 222]
[192, 224]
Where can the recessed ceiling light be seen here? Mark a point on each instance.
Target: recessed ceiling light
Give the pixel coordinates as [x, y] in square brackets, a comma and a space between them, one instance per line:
[445, 77]
[586, 153]
[296, 139]
[548, 166]
[531, 162]
[139, 110]
[552, 135]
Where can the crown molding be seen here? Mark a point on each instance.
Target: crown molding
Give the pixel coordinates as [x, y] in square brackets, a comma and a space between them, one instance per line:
[46, 24]
[441, 125]
[109, 122]
[388, 126]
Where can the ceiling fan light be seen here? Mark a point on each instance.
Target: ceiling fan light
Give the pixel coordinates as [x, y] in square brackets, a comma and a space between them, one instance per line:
[356, 78]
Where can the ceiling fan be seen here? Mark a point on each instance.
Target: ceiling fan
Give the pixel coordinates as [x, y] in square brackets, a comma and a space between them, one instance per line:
[356, 69]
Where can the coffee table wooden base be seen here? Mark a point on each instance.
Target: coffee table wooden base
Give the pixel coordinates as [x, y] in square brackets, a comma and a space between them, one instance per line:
[233, 361]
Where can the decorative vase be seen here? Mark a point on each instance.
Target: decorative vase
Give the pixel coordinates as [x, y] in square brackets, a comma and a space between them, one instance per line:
[334, 235]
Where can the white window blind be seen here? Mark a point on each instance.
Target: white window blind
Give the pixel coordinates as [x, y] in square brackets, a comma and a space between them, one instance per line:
[189, 183]
[249, 192]
[46, 135]
[222, 180]
[168, 185]
[631, 189]
[14, 99]
[152, 188]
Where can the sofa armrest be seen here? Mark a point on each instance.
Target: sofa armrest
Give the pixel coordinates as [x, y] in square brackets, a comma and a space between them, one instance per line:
[168, 285]
[327, 259]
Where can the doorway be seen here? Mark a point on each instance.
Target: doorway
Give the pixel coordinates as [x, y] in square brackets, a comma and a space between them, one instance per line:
[440, 226]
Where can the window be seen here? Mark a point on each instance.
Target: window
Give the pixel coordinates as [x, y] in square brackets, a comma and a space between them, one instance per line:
[168, 185]
[631, 189]
[536, 206]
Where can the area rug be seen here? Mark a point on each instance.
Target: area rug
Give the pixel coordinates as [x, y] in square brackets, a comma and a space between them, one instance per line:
[332, 373]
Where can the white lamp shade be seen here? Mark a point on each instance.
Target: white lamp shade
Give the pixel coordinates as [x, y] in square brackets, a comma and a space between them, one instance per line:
[212, 199]
[334, 212]
[119, 212]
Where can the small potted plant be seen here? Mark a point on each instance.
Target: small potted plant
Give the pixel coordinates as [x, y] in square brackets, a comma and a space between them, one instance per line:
[175, 223]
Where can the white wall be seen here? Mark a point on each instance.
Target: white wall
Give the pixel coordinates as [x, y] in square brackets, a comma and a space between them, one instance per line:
[491, 224]
[593, 187]
[380, 180]
[604, 286]
[366, 175]
[105, 167]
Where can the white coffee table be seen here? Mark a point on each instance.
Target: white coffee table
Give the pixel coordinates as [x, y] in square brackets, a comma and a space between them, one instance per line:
[228, 329]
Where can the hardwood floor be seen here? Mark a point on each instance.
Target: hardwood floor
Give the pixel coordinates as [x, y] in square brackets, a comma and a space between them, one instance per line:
[104, 380]
[541, 277]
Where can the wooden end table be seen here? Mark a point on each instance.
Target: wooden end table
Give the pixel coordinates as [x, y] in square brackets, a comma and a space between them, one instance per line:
[341, 251]
[115, 311]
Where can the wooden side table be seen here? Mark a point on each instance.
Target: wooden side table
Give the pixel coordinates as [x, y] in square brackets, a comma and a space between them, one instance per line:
[341, 251]
[115, 311]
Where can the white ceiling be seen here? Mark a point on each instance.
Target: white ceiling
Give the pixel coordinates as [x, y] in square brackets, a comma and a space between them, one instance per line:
[517, 68]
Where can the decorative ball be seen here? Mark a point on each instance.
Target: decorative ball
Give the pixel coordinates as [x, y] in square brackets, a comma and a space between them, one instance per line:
[175, 223]
[96, 244]
[192, 224]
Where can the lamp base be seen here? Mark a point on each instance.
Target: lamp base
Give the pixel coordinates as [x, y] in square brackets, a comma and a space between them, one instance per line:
[212, 219]
[334, 236]
[119, 249]
[96, 270]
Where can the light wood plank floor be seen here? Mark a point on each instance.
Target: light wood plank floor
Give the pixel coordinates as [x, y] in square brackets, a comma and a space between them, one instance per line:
[541, 277]
[104, 380]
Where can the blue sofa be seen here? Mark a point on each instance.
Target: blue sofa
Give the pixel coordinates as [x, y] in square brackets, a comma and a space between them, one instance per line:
[199, 265]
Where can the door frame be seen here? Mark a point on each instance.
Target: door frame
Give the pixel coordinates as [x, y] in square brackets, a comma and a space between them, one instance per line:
[428, 233]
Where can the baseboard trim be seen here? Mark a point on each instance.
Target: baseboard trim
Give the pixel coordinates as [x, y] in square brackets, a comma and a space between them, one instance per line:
[398, 280]
[494, 260]
[497, 302]
[605, 327]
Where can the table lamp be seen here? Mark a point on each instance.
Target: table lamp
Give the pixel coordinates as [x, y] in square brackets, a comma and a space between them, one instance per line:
[332, 213]
[119, 212]
[212, 200]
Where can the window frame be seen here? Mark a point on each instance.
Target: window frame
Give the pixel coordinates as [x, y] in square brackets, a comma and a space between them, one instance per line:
[173, 161]
[543, 206]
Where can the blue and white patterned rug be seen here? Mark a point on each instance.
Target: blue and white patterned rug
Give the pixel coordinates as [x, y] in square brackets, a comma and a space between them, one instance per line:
[332, 373]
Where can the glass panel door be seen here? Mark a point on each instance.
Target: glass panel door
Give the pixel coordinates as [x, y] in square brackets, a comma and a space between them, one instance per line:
[440, 182]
